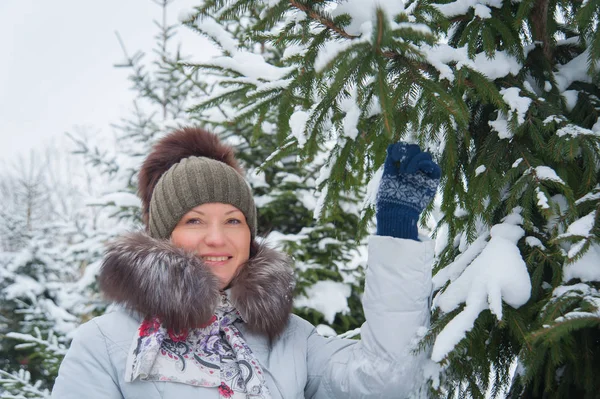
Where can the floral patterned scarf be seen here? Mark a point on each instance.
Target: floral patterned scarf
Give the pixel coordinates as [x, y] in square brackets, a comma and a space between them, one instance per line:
[215, 355]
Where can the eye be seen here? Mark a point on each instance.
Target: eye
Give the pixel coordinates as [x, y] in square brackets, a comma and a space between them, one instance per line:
[193, 221]
[234, 221]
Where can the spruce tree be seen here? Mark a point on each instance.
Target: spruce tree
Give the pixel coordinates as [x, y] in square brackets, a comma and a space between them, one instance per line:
[328, 254]
[41, 299]
[505, 94]
[52, 275]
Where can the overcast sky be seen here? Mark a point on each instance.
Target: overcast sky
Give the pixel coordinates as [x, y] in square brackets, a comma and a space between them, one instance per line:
[56, 64]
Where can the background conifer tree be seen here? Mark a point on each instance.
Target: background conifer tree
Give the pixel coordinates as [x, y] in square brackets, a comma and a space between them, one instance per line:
[328, 254]
[505, 95]
[48, 286]
[41, 299]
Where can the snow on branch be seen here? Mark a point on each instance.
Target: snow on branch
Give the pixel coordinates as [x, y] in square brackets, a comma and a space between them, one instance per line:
[218, 34]
[545, 173]
[498, 66]
[50, 343]
[517, 104]
[493, 272]
[461, 7]
[21, 382]
[252, 66]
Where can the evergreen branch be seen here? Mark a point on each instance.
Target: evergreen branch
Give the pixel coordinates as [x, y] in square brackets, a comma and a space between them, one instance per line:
[51, 344]
[569, 324]
[197, 84]
[318, 17]
[23, 378]
[524, 336]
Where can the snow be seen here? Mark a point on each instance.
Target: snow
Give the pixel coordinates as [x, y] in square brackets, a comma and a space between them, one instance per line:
[294, 50]
[500, 125]
[308, 199]
[542, 199]
[586, 268]
[363, 14]
[545, 173]
[596, 127]
[275, 237]
[534, 242]
[574, 131]
[460, 7]
[263, 200]
[372, 187]
[589, 197]
[329, 51]
[216, 31]
[64, 322]
[578, 289]
[23, 287]
[480, 169]
[482, 11]
[456, 268]
[574, 70]
[516, 103]
[322, 245]
[517, 162]
[327, 297]
[586, 292]
[53, 346]
[552, 119]
[500, 65]
[252, 66]
[324, 174]
[570, 98]
[350, 106]
[581, 227]
[298, 125]
[318, 210]
[186, 14]
[441, 240]
[363, 19]
[486, 275]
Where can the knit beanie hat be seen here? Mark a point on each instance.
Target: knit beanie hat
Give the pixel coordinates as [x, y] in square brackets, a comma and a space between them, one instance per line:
[187, 168]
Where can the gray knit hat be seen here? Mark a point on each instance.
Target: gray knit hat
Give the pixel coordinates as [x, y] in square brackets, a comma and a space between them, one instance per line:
[195, 181]
[187, 168]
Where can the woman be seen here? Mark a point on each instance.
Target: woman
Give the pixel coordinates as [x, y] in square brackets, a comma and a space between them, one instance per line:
[207, 309]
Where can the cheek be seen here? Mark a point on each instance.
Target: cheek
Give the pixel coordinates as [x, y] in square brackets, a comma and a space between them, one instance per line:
[184, 240]
[245, 245]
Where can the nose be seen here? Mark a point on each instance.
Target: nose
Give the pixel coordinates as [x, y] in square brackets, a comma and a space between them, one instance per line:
[215, 235]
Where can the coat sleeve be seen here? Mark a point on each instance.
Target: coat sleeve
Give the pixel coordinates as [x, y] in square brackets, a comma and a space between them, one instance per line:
[396, 304]
[86, 370]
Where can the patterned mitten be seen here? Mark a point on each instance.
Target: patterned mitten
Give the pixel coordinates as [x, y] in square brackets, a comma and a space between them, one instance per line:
[409, 182]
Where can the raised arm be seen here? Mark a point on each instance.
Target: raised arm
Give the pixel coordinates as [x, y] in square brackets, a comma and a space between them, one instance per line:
[396, 299]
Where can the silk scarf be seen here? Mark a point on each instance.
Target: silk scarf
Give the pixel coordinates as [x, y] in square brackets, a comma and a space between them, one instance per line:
[213, 356]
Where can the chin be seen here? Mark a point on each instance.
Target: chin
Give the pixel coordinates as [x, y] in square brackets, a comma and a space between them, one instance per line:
[224, 284]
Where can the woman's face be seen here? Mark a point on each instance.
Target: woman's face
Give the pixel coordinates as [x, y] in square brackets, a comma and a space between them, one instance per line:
[219, 234]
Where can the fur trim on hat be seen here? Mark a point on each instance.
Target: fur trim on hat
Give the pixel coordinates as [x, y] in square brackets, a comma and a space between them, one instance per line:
[155, 278]
[174, 147]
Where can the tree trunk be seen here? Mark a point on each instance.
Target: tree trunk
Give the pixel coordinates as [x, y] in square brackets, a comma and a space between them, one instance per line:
[539, 27]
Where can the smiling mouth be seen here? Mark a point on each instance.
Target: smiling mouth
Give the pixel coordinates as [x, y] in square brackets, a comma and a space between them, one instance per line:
[215, 258]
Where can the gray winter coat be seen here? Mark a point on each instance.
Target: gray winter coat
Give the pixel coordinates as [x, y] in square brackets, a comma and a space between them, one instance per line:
[298, 362]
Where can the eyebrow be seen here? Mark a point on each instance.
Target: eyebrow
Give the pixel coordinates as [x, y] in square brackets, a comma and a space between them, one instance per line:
[226, 213]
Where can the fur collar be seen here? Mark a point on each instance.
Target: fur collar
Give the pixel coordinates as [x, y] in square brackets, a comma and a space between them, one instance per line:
[155, 278]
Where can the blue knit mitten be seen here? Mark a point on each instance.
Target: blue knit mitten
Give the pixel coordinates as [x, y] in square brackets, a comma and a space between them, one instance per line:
[409, 182]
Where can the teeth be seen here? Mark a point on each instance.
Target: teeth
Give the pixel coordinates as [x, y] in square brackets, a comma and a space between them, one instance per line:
[215, 258]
